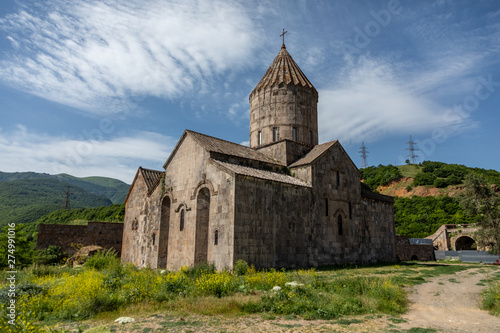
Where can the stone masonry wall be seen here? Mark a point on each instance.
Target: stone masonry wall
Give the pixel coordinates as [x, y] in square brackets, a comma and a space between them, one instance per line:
[407, 251]
[70, 238]
[272, 223]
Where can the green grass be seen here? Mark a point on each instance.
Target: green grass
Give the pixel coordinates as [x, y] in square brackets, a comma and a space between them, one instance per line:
[111, 290]
[409, 170]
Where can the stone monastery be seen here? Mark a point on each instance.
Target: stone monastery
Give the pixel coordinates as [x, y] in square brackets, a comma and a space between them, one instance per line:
[285, 201]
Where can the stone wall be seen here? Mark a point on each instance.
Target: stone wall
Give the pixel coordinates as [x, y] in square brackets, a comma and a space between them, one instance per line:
[160, 241]
[286, 151]
[407, 251]
[70, 238]
[284, 107]
[273, 226]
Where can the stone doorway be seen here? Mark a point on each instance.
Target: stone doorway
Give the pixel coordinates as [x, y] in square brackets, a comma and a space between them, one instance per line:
[163, 237]
[202, 223]
[465, 243]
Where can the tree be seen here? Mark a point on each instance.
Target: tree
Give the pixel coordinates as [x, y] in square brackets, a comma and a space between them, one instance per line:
[482, 202]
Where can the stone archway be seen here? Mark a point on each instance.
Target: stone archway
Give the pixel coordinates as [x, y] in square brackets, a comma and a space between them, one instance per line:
[202, 225]
[164, 228]
[465, 243]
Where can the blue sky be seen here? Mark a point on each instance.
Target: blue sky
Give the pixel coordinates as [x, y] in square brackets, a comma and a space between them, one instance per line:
[99, 88]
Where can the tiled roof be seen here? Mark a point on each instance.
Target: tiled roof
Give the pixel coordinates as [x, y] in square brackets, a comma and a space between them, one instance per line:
[230, 148]
[283, 70]
[262, 174]
[313, 154]
[151, 177]
[376, 196]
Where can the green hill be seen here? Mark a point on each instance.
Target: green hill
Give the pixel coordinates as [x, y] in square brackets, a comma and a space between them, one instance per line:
[113, 189]
[425, 194]
[27, 196]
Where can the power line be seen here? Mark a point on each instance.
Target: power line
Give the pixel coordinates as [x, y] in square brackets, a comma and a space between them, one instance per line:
[66, 204]
[364, 154]
[412, 148]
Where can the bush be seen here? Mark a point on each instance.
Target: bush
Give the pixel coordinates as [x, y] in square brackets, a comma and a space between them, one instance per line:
[491, 298]
[422, 178]
[200, 269]
[240, 267]
[440, 183]
[103, 259]
[53, 255]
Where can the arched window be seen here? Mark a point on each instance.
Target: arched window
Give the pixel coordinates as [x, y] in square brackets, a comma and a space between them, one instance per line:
[339, 225]
[181, 224]
[275, 134]
[338, 178]
[350, 210]
[154, 238]
[259, 138]
[294, 134]
[326, 206]
[216, 237]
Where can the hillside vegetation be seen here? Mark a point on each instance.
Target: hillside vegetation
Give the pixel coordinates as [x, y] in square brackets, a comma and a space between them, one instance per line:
[26, 234]
[27, 196]
[425, 194]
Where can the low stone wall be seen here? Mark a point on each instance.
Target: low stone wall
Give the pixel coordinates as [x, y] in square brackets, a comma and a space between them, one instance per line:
[70, 238]
[406, 251]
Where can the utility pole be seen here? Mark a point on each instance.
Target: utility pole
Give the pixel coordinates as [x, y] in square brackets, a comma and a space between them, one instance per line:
[66, 204]
[412, 149]
[364, 153]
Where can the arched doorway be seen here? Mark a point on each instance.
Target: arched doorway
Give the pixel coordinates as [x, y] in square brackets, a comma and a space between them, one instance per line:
[202, 223]
[465, 243]
[164, 227]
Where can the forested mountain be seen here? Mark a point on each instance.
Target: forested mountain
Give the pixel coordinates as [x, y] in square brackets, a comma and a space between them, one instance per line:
[425, 194]
[27, 196]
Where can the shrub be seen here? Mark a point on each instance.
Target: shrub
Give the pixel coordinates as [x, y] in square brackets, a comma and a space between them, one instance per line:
[200, 269]
[422, 178]
[53, 255]
[218, 284]
[491, 298]
[103, 259]
[240, 267]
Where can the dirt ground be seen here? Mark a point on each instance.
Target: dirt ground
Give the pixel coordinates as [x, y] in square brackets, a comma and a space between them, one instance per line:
[449, 303]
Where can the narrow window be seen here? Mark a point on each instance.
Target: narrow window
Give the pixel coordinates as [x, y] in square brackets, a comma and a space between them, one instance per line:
[310, 137]
[181, 225]
[350, 211]
[259, 138]
[339, 224]
[326, 206]
[154, 238]
[216, 237]
[294, 134]
[338, 178]
[275, 134]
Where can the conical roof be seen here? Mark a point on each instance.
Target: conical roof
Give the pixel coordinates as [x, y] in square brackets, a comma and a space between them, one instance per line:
[283, 70]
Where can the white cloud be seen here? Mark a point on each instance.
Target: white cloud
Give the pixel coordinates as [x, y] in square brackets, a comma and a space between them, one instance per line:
[119, 157]
[95, 55]
[373, 100]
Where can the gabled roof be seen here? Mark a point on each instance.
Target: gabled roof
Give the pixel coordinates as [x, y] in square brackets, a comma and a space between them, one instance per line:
[319, 150]
[224, 147]
[283, 70]
[261, 174]
[376, 196]
[316, 152]
[151, 178]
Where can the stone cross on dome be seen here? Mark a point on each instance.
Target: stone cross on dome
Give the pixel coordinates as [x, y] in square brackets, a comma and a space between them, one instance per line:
[283, 35]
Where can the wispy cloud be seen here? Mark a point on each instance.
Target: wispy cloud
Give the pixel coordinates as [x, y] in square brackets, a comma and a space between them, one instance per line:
[376, 99]
[101, 56]
[23, 150]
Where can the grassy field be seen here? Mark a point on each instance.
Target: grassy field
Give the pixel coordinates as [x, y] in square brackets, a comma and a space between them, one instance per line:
[409, 170]
[61, 299]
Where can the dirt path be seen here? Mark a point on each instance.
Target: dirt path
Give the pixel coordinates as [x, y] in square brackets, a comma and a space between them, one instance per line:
[451, 303]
